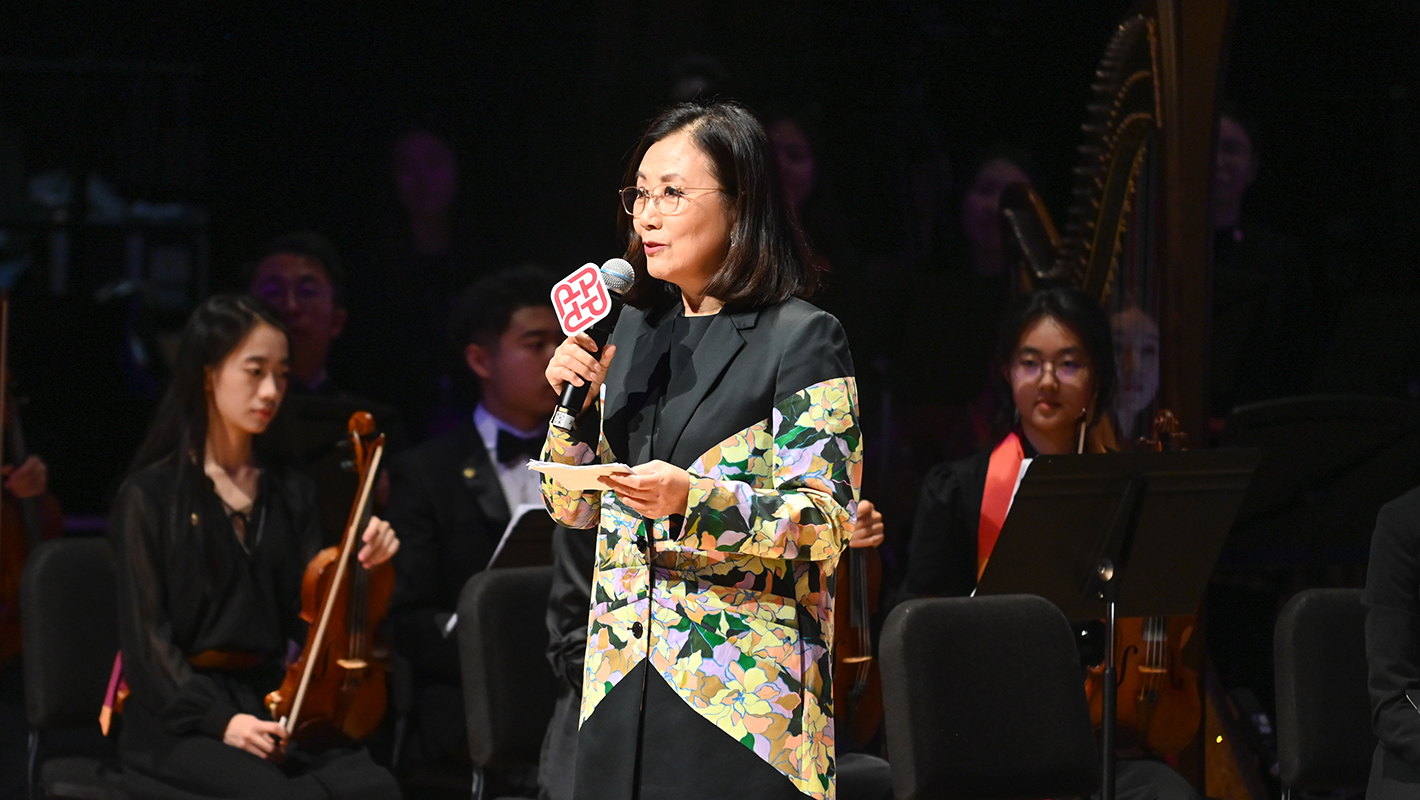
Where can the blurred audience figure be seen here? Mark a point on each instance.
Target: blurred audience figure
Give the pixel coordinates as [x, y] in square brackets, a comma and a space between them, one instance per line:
[454, 495]
[697, 76]
[1262, 336]
[986, 280]
[1136, 357]
[931, 208]
[301, 276]
[981, 207]
[427, 249]
[806, 187]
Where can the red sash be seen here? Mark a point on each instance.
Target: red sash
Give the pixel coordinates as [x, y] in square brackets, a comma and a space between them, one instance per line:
[1001, 476]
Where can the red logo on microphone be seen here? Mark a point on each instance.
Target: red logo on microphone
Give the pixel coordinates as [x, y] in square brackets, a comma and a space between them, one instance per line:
[580, 299]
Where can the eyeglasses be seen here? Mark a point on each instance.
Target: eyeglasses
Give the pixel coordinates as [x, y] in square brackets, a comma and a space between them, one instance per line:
[1067, 369]
[667, 199]
[274, 289]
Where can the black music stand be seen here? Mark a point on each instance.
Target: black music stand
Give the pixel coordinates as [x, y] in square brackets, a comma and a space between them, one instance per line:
[1132, 534]
[527, 541]
[1329, 462]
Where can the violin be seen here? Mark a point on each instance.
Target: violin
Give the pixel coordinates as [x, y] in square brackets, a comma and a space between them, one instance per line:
[1159, 708]
[335, 692]
[857, 684]
[24, 523]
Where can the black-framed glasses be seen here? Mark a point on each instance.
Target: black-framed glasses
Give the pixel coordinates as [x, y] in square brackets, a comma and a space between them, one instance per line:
[667, 199]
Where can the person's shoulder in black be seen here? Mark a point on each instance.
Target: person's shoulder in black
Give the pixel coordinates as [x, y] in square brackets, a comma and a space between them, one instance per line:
[448, 506]
[942, 558]
[1392, 599]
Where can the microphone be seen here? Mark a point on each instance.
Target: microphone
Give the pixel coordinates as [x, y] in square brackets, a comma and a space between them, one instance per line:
[616, 275]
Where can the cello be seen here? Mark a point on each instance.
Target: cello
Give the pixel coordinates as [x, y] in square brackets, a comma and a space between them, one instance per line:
[335, 692]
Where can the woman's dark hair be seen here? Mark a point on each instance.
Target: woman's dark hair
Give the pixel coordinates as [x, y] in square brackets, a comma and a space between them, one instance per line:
[211, 333]
[768, 260]
[1083, 317]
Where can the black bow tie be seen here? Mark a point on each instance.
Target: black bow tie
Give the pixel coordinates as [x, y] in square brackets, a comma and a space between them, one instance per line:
[512, 447]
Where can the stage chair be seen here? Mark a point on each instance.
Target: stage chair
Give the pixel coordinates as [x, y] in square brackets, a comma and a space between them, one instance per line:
[1324, 738]
[67, 602]
[509, 687]
[984, 698]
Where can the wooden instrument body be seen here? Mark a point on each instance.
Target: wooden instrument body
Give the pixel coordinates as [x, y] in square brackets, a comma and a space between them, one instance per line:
[1159, 707]
[345, 700]
[857, 683]
[23, 523]
[335, 692]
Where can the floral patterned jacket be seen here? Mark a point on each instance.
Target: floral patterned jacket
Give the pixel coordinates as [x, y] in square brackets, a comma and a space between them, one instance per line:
[735, 611]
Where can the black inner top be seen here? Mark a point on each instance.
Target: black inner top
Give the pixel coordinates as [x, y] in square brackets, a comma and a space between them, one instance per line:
[686, 333]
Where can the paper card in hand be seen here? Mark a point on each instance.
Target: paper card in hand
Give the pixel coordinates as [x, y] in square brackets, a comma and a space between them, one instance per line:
[580, 299]
[579, 479]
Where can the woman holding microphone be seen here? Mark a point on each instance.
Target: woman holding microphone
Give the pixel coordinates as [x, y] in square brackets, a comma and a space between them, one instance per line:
[708, 658]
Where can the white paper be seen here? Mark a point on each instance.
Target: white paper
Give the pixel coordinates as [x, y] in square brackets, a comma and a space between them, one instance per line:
[578, 479]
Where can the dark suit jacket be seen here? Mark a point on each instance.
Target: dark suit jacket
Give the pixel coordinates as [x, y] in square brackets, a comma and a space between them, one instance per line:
[448, 508]
[739, 371]
[764, 417]
[1392, 599]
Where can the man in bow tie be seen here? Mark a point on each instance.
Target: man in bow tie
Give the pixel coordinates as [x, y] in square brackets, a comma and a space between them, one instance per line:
[451, 497]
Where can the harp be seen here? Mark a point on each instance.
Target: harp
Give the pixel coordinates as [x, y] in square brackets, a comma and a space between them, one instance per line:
[1137, 237]
[1137, 234]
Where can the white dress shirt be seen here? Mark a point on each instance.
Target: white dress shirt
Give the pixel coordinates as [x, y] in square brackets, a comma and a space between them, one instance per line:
[520, 484]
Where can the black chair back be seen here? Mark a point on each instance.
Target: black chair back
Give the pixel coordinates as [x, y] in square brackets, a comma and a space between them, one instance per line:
[509, 687]
[67, 607]
[67, 602]
[1324, 737]
[984, 698]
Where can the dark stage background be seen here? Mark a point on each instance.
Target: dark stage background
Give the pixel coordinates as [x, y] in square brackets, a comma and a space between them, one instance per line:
[266, 118]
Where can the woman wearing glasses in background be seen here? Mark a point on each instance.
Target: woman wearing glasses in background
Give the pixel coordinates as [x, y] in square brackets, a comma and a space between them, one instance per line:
[708, 658]
[1057, 379]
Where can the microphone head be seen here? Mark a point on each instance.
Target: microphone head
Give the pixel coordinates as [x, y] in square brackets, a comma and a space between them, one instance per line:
[618, 274]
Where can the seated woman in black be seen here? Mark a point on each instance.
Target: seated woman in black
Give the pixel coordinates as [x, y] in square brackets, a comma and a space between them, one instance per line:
[210, 547]
[1055, 357]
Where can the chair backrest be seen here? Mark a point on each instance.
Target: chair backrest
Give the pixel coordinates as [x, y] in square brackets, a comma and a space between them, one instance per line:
[508, 686]
[67, 607]
[984, 698]
[1324, 738]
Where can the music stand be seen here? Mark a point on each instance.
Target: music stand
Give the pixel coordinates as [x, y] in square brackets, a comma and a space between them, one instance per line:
[527, 541]
[1132, 534]
[1329, 463]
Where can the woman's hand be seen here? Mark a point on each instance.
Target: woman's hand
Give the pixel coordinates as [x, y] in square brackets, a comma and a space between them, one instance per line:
[653, 490]
[254, 735]
[868, 526]
[380, 543]
[29, 479]
[573, 362]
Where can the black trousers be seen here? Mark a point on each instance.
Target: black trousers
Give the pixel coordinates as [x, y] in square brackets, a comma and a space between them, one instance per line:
[161, 766]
